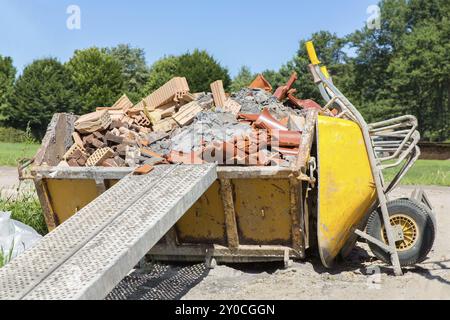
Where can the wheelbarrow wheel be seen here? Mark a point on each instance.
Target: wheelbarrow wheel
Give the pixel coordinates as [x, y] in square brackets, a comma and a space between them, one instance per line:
[418, 225]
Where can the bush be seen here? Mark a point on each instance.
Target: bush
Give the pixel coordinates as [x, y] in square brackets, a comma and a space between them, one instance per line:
[12, 135]
[97, 77]
[44, 88]
[199, 68]
[26, 209]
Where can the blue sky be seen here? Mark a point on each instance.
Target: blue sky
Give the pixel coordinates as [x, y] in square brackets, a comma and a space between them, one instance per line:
[260, 34]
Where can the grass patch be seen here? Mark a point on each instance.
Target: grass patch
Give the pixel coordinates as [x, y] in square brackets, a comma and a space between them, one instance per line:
[27, 210]
[10, 153]
[424, 172]
[5, 257]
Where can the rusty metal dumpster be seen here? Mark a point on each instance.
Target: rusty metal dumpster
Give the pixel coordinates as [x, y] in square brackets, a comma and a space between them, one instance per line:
[248, 214]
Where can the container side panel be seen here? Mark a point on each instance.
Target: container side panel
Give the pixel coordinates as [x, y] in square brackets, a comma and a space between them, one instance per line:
[205, 220]
[70, 196]
[263, 211]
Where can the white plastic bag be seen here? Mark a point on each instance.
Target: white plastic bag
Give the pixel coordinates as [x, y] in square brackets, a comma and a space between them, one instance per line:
[15, 237]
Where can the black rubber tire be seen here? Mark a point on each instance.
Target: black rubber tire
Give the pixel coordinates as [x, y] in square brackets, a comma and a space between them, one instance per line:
[426, 225]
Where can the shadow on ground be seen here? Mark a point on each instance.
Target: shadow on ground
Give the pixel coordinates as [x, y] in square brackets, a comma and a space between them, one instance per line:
[158, 281]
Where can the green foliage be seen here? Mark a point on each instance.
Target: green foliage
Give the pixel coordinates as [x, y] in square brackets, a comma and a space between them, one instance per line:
[13, 135]
[330, 49]
[98, 79]
[160, 72]
[424, 172]
[43, 89]
[134, 69]
[7, 77]
[5, 257]
[11, 153]
[242, 80]
[199, 68]
[26, 209]
[404, 67]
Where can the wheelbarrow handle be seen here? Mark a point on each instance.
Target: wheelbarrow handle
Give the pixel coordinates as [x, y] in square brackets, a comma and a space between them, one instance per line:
[312, 53]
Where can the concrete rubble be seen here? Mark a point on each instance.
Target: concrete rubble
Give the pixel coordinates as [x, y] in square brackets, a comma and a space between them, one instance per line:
[172, 125]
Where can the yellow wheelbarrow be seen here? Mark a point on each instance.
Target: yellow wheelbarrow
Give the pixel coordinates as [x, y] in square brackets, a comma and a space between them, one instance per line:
[352, 192]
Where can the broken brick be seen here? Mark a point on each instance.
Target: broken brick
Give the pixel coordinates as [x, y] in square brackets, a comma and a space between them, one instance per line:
[97, 143]
[113, 138]
[109, 163]
[218, 93]
[117, 124]
[98, 135]
[88, 139]
[120, 162]
[73, 163]
[187, 113]
[164, 94]
[261, 83]
[95, 121]
[145, 169]
[74, 148]
[281, 92]
[149, 153]
[82, 160]
[77, 139]
[99, 156]
[266, 121]
[285, 138]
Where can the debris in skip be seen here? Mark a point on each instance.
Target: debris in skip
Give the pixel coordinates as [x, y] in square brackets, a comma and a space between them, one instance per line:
[252, 127]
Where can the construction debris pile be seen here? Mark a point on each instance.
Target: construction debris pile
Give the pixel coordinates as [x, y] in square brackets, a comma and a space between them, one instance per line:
[173, 125]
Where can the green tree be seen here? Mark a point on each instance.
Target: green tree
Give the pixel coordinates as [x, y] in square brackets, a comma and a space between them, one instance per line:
[135, 71]
[330, 50]
[199, 68]
[374, 51]
[242, 79]
[7, 77]
[404, 66]
[420, 79]
[160, 72]
[44, 88]
[98, 79]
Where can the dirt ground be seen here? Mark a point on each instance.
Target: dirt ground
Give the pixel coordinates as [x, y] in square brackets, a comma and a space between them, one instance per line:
[360, 277]
[8, 177]
[9, 182]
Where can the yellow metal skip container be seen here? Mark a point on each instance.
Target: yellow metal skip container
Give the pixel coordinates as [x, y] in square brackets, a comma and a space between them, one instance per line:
[250, 213]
